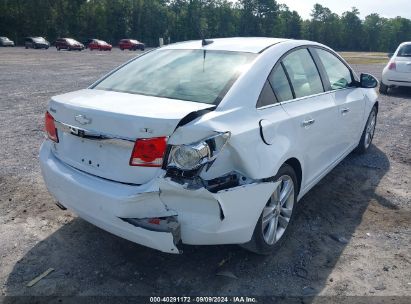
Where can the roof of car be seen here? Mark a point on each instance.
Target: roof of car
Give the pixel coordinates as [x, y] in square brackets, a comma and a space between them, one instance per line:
[236, 44]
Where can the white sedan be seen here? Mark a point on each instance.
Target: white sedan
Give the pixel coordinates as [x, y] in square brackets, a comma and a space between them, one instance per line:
[398, 70]
[207, 142]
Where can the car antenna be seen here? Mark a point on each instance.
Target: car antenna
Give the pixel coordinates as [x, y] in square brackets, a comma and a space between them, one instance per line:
[204, 41]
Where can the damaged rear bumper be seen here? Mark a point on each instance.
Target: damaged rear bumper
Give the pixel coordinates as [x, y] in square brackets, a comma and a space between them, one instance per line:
[158, 214]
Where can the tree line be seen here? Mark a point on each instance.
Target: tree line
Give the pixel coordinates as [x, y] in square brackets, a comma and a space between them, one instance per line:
[179, 20]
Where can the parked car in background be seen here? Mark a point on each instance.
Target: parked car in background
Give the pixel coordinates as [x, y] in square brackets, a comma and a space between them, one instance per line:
[207, 142]
[68, 44]
[87, 42]
[398, 70]
[4, 41]
[99, 45]
[131, 44]
[36, 43]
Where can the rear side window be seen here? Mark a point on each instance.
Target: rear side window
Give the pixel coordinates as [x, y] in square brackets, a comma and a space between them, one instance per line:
[267, 96]
[405, 51]
[337, 72]
[303, 73]
[280, 84]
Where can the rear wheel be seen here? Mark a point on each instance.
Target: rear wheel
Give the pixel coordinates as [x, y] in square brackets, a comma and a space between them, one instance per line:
[368, 133]
[383, 88]
[273, 225]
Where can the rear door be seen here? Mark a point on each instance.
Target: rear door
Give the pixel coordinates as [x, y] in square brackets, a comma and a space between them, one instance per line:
[312, 112]
[349, 98]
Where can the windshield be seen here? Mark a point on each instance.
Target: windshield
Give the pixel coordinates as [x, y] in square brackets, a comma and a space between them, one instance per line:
[193, 75]
[4, 39]
[405, 51]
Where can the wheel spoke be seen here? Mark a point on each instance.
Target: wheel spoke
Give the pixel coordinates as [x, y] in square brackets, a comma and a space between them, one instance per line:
[275, 197]
[283, 221]
[272, 231]
[286, 212]
[268, 215]
[286, 192]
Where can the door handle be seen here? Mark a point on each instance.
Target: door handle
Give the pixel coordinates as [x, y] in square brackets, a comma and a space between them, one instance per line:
[345, 111]
[308, 122]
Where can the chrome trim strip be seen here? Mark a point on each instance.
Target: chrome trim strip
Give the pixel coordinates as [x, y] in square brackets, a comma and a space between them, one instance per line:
[93, 135]
[304, 97]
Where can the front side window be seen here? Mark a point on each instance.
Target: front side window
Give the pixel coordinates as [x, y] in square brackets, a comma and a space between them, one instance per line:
[337, 72]
[193, 75]
[405, 51]
[303, 73]
[280, 84]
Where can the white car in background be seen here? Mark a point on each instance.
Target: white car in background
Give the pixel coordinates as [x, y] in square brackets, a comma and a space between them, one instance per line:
[398, 70]
[207, 142]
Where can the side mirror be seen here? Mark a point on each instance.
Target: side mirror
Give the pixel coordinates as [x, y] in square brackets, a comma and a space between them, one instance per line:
[368, 81]
[389, 55]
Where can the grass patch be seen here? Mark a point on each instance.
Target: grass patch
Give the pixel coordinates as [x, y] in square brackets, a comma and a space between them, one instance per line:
[365, 57]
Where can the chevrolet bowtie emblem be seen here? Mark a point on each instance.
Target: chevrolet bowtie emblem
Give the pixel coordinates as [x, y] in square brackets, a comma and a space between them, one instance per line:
[82, 119]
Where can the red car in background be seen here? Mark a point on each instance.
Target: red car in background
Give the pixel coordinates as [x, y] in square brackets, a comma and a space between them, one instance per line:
[101, 45]
[68, 44]
[131, 44]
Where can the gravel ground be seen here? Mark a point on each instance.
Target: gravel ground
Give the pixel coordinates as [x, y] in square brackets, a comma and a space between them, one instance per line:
[352, 235]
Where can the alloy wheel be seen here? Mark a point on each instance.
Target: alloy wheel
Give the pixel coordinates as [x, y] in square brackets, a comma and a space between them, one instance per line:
[277, 212]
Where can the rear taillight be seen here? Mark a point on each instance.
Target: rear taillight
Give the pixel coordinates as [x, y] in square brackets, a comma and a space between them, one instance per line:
[392, 66]
[149, 152]
[50, 127]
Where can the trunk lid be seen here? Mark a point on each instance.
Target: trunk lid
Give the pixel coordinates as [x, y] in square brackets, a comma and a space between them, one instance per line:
[403, 64]
[97, 130]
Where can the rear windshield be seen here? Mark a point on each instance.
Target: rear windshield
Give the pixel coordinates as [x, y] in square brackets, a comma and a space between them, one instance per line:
[405, 51]
[71, 41]
[193, 75]
[39, 39]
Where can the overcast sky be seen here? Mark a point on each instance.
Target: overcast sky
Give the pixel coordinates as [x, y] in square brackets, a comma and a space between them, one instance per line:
[386, 8]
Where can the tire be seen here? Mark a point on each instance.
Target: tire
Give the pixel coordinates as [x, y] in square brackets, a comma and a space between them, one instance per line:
[122, 49]
[368, 132]
[383, 88]
[280, 217]
[58, 49]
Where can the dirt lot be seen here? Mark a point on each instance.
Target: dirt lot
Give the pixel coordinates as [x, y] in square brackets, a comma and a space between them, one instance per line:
[352, 235]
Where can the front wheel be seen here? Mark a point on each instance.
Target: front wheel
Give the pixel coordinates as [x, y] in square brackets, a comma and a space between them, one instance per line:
[273, 225]
[368, 133]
